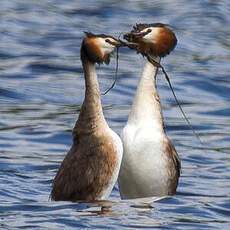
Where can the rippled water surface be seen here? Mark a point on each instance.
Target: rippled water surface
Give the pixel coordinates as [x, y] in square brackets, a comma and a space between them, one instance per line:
[42, 88]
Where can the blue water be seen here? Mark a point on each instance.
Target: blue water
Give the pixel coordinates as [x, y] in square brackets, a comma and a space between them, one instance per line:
[42, 88]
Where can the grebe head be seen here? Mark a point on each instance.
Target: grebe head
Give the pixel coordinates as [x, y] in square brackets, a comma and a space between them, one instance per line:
[98, 47]
[156, 39]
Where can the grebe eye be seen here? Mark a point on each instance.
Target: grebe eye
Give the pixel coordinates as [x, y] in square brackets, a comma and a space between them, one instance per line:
[149, 30]
[107, 40]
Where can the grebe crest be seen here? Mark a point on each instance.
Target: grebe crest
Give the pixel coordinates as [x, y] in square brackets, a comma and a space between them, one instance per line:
[98, 47]
[155, 39]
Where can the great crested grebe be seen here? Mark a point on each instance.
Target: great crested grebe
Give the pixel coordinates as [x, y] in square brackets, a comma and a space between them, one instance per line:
[150, 164]
[90, 168]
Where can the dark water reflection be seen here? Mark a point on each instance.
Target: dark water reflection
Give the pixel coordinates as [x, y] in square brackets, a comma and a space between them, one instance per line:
[41, 90]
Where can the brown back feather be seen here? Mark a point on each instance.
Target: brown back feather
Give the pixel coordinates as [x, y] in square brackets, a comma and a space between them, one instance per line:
[86, 169]
[174, 166]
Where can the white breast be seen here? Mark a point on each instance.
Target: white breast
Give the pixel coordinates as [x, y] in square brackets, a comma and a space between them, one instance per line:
[119, 148]
[143, 171]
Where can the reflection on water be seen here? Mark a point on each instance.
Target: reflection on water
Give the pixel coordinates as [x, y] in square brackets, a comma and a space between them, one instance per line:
[42, 88]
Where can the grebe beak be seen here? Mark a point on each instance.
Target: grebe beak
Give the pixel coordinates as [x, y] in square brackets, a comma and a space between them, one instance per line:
[131, 45]
[133, 35]
[117, 42]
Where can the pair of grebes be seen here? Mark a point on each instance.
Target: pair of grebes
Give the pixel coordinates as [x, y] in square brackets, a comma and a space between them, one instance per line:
[143, 160]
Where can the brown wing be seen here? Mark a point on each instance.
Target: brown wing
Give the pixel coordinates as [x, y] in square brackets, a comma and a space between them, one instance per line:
[86, 170]
[174, 165]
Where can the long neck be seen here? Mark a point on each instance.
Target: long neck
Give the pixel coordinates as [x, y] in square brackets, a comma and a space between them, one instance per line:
[91, 116]
[146, 108]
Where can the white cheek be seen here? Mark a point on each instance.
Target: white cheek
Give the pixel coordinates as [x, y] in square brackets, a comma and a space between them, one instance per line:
[105, 46]
[150, 37]
[107, 49]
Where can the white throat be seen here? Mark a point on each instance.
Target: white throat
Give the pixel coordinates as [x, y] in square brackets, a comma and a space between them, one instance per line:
[146, 109]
